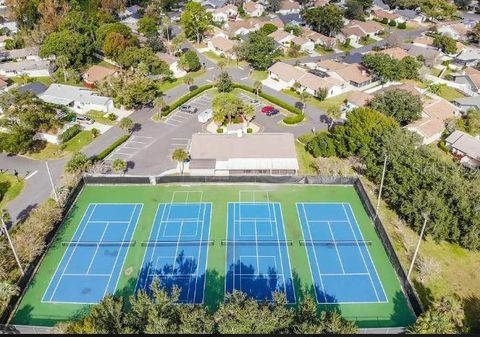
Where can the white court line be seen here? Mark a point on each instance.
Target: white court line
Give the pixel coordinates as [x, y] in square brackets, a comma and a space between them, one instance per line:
[80, 274]
[371, 260]
[336, 248]
[31, 175]
[96, 249]
[198, 255]
[346, 274]
[314, 252]
[279, 247]
[288, 255]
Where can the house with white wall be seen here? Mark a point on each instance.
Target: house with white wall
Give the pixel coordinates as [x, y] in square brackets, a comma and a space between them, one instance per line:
[31, 68]
[172, 62]
[253, 9]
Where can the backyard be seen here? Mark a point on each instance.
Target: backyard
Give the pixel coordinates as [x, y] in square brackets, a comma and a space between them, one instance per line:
[45, 151]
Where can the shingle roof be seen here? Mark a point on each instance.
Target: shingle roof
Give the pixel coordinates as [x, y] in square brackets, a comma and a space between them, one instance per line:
[465, 143]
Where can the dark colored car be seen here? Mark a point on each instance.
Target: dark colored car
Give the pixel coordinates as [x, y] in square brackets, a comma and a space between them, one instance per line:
[273, 112]
[188, 108]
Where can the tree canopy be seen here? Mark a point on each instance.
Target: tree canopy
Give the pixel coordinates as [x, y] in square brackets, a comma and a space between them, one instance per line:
[445, 43]
[387, 68]
[259, 50]
[327, 20]
[195, 21]
[77, 48]
[399, 104]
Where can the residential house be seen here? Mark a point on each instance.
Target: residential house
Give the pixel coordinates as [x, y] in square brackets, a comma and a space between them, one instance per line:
[35, 88]
[31, 68]
[222, 14]
[253, 8]
[172, 62]
[356, 75]
[274, 21]
[470, 78]
[411, 15]
[96, 74]
[468, 57]
[287, 76]
[352, 34]
[457, 30]
[211, 5]
[319, 39]
[357, 29]
[320, 3]
[381, 14]
[10, 25]
[289, 7]
[79, 100]
[292, 19]
[431, 56]
[306, 46]
[282, 38]
[356, 99]
[395, 52]
[251, 154]
[3, 83]
[241, 27]
[132, 22]
[435, 115]
[467, 103]
[20, 54]
[465, 147]
[423, 41]
[222, 47]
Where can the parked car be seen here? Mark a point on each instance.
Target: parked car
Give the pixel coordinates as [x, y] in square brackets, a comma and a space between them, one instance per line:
[84, 120]
[273, 112]
[267, 108]
[205, 115]
[254, 101]
[188, 108]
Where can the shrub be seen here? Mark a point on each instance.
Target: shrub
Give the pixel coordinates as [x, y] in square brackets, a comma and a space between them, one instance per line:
[385, 21]
[293, 119]
[249, 130]
[322, 145]
[219, 130]
[95, 132]
[112, 117]
[112, 147]
[402, 25]
[70, 133]
[443, 146]
[392, 23]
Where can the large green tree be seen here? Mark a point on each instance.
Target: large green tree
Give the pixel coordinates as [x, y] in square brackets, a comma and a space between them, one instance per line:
[259, 50]
[445, 43]
[76, 47]
[327, 20]
[399, 104]
[189, 61]
[195, 21]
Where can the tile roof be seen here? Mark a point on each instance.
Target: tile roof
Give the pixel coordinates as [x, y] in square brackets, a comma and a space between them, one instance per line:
[98, 73]
[359, 98]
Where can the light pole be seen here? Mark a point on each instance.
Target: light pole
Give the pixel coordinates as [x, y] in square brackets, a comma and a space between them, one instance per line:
[4, 227]
[51, 182]
[418, 246]
[381, 187]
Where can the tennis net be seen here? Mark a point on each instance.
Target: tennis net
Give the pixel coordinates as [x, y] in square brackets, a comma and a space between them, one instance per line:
[99, 243]
[179, 243]
[334, 242]
[257, 242]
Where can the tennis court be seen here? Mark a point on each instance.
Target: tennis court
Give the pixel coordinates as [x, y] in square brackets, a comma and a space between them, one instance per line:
[258, 263]
[338, 254]
[93, 260]
[177, 248]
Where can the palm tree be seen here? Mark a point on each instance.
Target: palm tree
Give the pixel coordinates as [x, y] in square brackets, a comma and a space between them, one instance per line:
[188, 80]
[62, 62]
[24, 78]
[119, 165]
[181, 156]
[126, 124]
[257, 86]
[159, 104]
[249, 112]
[304, 97]
[221, 64]
[296, 86]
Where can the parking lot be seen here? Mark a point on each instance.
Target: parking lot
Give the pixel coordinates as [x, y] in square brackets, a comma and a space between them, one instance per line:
[130, 148]
[178, 117]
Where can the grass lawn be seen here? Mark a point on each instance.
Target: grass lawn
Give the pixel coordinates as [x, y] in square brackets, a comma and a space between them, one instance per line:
[259, 75]
[100, 117]
[287, 57]
[305, 160]
[229, 63]
[167, 85]
[322, 51]
[449, 93]
[336, 101]
[418, 84]
[54, 151]
[435, 72]
[367, 41]
[345, 48]
[10, 188]
[45, 80]
[394, 312]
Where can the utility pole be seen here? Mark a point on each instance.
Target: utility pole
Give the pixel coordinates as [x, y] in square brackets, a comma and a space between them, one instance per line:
[418, 246]
[51, 182]
[381, 187]
[4, 227]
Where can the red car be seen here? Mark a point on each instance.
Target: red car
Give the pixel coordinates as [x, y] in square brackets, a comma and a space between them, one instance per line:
[267, 108]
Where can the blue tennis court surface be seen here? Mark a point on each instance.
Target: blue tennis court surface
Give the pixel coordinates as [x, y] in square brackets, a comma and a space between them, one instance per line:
[257, 255]
[343, 271]
[93, 260]
[176, 253]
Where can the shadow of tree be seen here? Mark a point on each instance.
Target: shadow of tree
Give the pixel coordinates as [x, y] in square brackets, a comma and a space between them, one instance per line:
[471, 306]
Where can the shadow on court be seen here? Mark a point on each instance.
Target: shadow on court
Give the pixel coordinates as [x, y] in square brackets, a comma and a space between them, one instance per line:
[258, 286]
[180, 275]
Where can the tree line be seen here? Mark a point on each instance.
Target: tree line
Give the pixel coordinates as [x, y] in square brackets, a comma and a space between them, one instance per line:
[158, 312]
[417, 183]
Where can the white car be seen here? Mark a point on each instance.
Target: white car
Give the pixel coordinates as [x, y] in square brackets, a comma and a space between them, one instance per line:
[205, 115]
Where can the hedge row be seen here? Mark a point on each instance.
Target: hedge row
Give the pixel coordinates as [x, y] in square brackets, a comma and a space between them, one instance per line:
[294, 119]
[169, 108]
[102, 155]
[70, 133]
